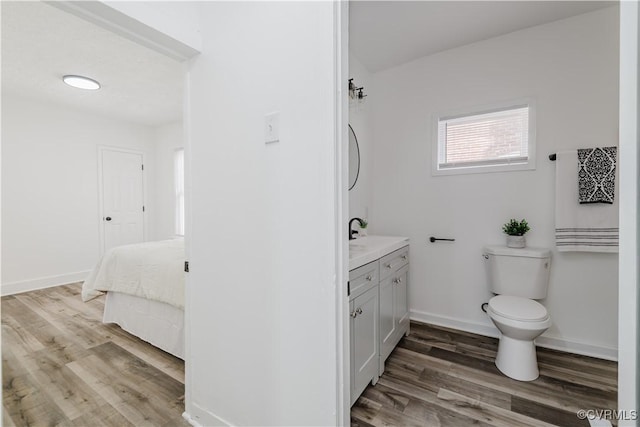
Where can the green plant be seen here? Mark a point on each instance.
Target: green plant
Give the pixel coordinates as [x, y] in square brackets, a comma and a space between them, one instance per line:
[363, 223]
[515, 228]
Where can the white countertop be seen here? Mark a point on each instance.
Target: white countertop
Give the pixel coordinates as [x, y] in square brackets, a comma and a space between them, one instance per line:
[363, 250]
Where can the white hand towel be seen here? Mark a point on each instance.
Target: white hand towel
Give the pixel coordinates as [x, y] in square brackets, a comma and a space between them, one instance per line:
[586, 227]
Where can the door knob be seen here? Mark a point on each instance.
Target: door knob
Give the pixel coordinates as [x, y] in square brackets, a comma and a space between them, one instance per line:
[108, 218]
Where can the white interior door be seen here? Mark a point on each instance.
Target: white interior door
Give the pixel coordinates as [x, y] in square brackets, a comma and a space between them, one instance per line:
[122, 198]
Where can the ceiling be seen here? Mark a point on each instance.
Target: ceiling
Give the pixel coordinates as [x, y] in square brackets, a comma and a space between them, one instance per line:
[41, 43]
[384, 34]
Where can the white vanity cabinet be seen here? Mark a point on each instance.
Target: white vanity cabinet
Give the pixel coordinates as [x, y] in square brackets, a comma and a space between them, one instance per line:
[379, 314]
[394, 309]
[363, 323]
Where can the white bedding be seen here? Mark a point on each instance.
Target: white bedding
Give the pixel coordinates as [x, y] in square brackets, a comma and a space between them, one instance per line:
[155, 322]
[152, 270]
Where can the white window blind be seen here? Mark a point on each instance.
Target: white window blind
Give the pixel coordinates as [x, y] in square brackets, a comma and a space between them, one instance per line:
[482, 139]
[178, 178]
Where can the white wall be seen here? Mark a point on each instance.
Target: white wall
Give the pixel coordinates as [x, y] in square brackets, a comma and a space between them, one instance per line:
[629, 220]
[360, 196]
[50, 190]
[570, 68]
[261, 292]
[176, 19]
[169, 27]
[167, 139]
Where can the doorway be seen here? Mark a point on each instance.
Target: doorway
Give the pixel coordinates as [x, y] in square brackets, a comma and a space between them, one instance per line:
[122, 206]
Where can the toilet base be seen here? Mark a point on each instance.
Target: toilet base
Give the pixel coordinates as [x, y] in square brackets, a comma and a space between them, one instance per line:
[517, 359]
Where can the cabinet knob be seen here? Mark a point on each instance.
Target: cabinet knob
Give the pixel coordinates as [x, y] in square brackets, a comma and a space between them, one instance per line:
[359, 310]
[354, 314]
[397, 280]
[369, 278]
[388, 265]
[404, 257]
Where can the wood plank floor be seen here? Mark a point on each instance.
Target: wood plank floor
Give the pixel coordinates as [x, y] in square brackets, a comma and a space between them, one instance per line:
[442, 377]
[61, 366]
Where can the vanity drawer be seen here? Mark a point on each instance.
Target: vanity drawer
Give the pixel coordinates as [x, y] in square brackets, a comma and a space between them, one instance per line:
[393, 262]
[362, 279]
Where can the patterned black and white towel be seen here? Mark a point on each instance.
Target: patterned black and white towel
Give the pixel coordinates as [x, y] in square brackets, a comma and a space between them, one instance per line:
[582, 227]
[596, 174]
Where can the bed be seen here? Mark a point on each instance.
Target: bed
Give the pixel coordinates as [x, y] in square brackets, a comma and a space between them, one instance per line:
[144, 284]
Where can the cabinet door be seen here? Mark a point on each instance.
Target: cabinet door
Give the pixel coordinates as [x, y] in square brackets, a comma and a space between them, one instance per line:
[364, 349]
[394, 312]
[352, 388]
[401, 304]
[388, 321]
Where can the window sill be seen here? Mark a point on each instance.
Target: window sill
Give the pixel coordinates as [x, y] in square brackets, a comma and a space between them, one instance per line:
[483, 169]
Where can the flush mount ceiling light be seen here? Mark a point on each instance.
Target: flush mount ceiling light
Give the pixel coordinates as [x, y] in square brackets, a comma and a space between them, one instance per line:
[81, 82]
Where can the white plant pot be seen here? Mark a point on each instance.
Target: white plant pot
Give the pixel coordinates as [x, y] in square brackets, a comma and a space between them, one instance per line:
[516, 242]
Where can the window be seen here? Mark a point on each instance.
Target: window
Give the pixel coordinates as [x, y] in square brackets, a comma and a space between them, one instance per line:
[178, 179]
[494, 139]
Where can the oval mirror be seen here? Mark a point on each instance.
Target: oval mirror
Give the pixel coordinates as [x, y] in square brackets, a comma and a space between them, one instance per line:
[354, 158]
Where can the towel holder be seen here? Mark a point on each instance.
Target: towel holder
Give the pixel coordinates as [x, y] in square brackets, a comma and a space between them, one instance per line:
[434, 239]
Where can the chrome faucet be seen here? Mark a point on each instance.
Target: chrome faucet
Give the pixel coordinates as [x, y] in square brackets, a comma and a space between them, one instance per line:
[350, 230]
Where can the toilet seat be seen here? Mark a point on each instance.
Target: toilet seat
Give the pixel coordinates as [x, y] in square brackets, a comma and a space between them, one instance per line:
[518, 308]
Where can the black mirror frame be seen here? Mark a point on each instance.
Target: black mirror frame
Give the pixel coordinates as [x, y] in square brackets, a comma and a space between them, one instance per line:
[358, 149]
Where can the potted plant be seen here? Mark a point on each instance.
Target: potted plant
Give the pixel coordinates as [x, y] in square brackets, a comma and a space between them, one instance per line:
[515, 233]
[363, 228]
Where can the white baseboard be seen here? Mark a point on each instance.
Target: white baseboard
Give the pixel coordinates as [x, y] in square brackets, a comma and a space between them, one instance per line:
[190, 420]
[42, 282]
[200, 417]
[600, 352]
[554, 343]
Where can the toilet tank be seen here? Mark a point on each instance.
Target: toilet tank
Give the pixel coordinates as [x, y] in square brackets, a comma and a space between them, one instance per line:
[518, 272]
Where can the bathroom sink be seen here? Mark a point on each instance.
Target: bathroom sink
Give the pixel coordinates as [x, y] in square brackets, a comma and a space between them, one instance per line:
[363, 250]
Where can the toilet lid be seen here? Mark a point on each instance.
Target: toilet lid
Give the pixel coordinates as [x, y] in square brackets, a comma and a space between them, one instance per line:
[518, 308]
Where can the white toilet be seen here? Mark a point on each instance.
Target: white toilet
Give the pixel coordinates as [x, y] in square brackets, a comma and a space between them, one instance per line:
[518, 277]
